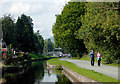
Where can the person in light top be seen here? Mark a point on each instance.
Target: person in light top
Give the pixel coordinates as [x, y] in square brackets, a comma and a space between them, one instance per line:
[98, 58]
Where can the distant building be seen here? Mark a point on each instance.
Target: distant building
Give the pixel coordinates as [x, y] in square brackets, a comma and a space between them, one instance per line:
[58, 52]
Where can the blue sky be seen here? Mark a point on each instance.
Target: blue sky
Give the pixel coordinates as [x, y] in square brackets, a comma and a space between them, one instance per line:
[41, 11]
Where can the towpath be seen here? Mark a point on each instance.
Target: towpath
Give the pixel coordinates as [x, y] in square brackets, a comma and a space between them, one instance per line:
[111, 71]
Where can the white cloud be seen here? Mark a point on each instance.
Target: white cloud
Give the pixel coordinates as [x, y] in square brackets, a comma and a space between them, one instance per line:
[4, 1]
[35, 8]
[57, 1]
[41, 29]
[37, 22]
[19, 8]
[60, 2]
[31, 0]
[42, 13]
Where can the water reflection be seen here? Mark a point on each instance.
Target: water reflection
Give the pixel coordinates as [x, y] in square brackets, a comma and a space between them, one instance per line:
[36, 73]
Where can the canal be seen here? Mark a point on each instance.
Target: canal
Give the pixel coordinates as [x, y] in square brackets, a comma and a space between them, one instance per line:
[35, 73]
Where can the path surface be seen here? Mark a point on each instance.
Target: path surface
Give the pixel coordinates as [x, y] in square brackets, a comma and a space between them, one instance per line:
[111, 71]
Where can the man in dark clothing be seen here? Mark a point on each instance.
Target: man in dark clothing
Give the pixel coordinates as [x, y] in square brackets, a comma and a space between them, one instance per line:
[92, 57]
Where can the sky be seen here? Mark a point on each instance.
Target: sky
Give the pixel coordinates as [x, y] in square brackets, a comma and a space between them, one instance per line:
[42, 12]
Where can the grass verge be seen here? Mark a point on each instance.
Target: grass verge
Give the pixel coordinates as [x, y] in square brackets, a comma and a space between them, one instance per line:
[85, 72]
[37, 56]
[117, 65]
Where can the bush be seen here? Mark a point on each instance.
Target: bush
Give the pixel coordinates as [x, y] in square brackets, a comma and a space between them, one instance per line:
[59, 67]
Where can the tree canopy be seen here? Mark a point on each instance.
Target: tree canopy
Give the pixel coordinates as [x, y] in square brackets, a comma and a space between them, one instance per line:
[38, 43]
[8, 28]
[48, 46]
[24, 33]
[89, 25]
[21, 35]
[101, 30]
[65, 27]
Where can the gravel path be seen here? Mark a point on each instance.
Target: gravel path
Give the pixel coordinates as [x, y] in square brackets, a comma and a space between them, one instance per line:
[111, 71]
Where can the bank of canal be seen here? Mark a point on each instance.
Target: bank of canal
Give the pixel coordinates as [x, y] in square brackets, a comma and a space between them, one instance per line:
[90, 74]
[36, 73]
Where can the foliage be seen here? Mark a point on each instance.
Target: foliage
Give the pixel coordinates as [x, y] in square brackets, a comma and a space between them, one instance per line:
[8, 28]
[20, 34]
[65, 27]
[91, 25]
[21, 37]
[9, 55]
[38, 56]
[38, 43]
[101, 30]
[20, 59]
[49, 46]
[58, 67]
[24, 33]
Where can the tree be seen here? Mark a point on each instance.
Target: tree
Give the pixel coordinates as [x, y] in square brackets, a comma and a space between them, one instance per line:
[65, 27]
[1, 33]
[24, 33]
[38, 43]
[48, 46]
[20, 35]
[101, 30]
[8, 29]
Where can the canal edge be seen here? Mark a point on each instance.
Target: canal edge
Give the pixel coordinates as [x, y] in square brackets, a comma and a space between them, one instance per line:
[73, 76]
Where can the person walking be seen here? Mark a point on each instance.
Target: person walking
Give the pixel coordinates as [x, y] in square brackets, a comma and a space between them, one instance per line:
[92, 57]
[98, 58]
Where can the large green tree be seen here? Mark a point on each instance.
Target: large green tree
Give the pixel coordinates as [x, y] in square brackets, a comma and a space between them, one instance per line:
[24, 33]
[65, 27]
[8, 29]
[38, 43]
[20, 34]
[101, 30]
[1, 33]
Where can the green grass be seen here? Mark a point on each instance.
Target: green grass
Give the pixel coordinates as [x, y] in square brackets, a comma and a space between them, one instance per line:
[85, 72]
[55, 56]
[117, 65]
[34, 56]
[85, 57]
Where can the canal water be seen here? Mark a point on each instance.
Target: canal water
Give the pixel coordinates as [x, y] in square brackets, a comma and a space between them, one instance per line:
[36, 73]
